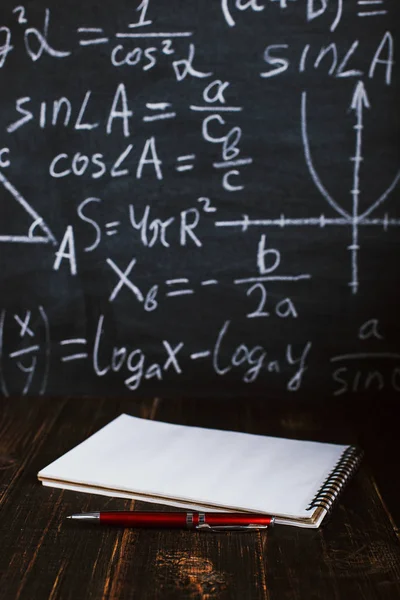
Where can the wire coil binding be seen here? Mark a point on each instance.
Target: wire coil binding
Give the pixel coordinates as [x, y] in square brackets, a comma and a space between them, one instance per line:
[334, 483]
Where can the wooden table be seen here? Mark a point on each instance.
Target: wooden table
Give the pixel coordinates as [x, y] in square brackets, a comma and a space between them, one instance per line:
[356, 555]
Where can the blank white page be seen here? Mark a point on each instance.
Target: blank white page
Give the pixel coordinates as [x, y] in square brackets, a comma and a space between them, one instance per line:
[227, 469]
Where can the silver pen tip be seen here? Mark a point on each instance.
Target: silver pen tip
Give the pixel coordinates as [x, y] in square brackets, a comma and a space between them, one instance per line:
[93, 516]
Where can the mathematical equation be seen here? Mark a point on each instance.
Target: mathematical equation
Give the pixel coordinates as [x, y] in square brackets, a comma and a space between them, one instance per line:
[38, 41]
[34, 351]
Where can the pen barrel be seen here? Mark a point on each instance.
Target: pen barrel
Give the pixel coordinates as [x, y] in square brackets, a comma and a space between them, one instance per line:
[182, 520]
[170, 520]
[236, 519]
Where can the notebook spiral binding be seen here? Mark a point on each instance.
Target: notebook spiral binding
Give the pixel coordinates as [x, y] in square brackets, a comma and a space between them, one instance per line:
[334, 483]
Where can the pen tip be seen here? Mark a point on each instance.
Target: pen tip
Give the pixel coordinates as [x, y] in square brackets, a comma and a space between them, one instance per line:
[70, 517]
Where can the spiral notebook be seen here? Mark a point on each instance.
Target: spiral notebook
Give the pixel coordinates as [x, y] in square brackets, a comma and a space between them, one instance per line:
[295, 481]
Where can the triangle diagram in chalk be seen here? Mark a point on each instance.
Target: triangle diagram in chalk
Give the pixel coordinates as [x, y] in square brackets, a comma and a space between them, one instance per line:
[16, 215]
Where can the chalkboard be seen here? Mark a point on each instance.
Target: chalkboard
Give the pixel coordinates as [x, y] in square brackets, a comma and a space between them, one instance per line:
[200, 198]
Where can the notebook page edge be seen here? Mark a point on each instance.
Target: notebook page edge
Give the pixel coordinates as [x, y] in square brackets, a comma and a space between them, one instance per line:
[285, 519]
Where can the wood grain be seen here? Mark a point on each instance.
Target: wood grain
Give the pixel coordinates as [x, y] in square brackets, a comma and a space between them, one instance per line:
[356, 555]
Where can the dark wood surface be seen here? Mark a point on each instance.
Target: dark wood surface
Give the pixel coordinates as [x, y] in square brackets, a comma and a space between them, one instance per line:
[355, 555]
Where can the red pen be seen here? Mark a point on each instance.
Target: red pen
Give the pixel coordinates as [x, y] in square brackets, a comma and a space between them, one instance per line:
[202, 521]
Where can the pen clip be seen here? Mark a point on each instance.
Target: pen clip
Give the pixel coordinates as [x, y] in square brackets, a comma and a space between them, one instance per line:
[221, 528]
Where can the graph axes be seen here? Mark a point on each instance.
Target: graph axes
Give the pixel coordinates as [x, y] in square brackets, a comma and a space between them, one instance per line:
[353, 220]
[245, 222]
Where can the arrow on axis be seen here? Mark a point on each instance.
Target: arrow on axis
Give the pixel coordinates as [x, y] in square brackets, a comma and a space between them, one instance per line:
[359, 102]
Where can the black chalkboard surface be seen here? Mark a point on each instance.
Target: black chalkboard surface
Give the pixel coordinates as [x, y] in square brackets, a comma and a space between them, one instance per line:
[200, 198]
